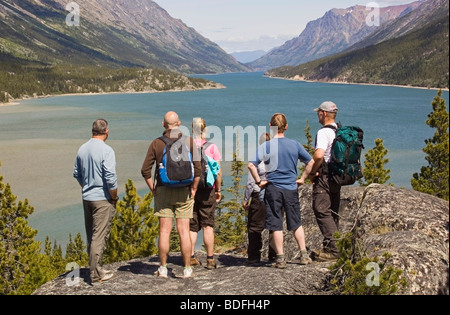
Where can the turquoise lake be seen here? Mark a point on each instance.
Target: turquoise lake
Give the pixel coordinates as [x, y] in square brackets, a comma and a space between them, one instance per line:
[39, 138]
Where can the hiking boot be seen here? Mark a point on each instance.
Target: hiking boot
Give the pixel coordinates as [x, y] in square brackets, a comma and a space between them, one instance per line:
[188, 273]
[195, 262]
[279, 264]
[109, 275]
[325, 256]
[305, 260]
[162, 272]
[211, 264]
[252, 262]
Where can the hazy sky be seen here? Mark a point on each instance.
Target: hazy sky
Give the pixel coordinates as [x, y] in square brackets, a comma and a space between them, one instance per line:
[246, 25]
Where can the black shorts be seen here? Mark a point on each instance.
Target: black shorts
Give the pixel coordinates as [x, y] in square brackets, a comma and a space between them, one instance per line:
[204, 210]
[276, 200]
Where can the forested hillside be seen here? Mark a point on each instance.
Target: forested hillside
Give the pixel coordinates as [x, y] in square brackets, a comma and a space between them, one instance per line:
[20, 78]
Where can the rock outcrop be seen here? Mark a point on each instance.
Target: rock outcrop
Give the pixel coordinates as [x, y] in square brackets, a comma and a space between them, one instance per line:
[412, 226]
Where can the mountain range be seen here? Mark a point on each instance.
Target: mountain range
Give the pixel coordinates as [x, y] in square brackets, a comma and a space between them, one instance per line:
[115, 33]
[411, 50]
[336, 31]
[141, 34]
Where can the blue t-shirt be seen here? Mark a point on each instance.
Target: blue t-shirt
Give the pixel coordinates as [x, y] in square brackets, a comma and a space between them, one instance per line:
[280, 156]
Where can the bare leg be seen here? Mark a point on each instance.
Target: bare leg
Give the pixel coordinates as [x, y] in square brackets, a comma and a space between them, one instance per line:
[299, 235]
[208, 239]
[278, 239]
[185, 240]
[165, 228]
[194, 236]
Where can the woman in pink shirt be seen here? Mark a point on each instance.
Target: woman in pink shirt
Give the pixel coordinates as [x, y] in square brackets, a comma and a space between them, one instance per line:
[206, 199]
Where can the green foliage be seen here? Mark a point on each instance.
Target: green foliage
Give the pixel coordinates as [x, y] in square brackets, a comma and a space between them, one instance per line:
[134, 228]
[309, 147]
[19, 252]
[309, 139]
[355, 273]
[76, 251]
[434, 178]
[175, 244]
[231, 227]
[374, 171]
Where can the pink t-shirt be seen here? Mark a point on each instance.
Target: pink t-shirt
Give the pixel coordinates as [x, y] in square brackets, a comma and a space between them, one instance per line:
[212, 151]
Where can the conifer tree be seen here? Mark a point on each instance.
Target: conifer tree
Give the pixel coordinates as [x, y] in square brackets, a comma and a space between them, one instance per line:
[175, 244]
[231, 226]
[434, 178]
[134, 228]
[20, 256]
[76, 251]
[374, 171]
[309, 147]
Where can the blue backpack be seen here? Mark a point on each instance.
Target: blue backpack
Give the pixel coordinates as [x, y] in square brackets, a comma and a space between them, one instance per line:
[177, 167]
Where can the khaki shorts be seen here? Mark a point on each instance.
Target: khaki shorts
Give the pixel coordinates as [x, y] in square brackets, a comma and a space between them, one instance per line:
[174, 202]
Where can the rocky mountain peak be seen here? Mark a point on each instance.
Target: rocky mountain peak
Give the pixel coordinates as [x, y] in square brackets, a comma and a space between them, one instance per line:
[337, 30]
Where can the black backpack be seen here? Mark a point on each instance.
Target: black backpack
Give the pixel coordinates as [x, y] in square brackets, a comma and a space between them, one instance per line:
[177, 167]
[202, 183]
[345, 165]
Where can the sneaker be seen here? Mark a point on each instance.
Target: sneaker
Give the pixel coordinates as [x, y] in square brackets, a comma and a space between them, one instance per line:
[195, 262]
[109, 275]
[188, 273]
[161, 272]
[325, 256]
[211, 264]
[279, 264]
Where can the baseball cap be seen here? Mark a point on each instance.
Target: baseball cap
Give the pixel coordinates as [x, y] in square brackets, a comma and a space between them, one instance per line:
[327, 107]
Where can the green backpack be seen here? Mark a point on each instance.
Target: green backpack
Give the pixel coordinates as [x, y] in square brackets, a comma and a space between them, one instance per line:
[345, 164]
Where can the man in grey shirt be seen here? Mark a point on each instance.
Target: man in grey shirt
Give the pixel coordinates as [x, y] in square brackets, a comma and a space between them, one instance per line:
[95, 171]
[256, 212]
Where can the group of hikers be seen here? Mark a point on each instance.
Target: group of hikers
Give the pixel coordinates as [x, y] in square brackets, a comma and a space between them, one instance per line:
[271, 192]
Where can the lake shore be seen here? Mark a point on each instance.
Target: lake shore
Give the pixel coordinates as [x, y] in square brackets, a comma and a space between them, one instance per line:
[301, 79]
[216, 86]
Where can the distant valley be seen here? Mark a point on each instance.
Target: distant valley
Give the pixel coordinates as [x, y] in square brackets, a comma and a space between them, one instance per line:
[133, 46]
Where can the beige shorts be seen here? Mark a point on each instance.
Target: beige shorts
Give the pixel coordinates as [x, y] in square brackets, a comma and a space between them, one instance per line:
[174, 202]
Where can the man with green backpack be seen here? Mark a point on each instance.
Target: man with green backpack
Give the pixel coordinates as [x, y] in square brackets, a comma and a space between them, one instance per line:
[337, 163]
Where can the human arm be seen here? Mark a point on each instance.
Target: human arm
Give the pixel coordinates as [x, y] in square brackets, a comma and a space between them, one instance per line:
[110, 176]
[218, 185]
[254, 172]
[306, 172]
[318, 160]
[248, 191]
[77, 172]
[147, 167]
